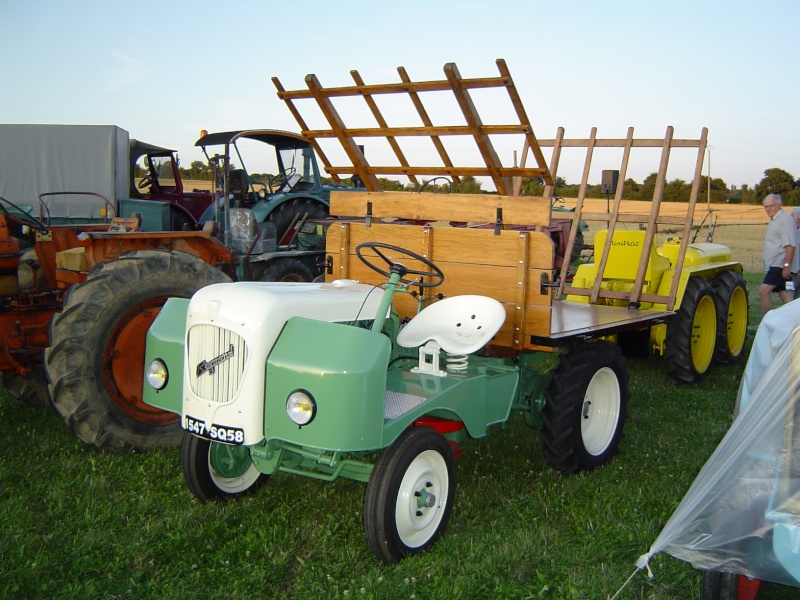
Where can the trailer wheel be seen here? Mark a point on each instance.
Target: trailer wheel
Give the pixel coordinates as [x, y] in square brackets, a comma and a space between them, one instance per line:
[586, 406]
[692, 334]
[32, 392]
[285, 269]
[285, 213]
[730, 295]
[215, 471]
[409, 496]
[95, 364]
[727, 586]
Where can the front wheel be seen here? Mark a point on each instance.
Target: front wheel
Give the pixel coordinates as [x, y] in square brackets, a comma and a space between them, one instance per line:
[215, 471]
[409, 497]
[586, 406]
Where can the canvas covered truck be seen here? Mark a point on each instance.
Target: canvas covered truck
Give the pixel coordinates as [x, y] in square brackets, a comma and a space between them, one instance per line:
[59, 184]
[78, 174]
[427, 332]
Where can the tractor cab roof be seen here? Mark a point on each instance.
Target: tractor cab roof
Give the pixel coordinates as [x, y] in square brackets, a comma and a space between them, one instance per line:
[139, 148]
[279, 139]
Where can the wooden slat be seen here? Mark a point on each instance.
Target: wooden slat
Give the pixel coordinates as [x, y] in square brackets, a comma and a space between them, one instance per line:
[613, 219]
[620, 143]
[426, 121]
[408, 131]
[337, 125]
[439, 171]
[689, 216]
[469, 208]
[373, 107]
[521, 303]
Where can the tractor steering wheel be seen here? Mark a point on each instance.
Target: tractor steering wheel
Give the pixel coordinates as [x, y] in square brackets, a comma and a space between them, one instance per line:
[277, 182]
[376, 247]
[23, 218]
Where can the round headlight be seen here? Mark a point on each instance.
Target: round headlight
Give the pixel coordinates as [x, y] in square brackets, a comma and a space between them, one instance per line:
[157, 374]
[301, 407]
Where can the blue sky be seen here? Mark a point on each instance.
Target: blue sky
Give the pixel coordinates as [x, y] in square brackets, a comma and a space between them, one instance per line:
[165, 70]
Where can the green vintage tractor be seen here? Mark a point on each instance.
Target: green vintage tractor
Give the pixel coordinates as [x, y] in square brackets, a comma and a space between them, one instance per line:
[372, 399]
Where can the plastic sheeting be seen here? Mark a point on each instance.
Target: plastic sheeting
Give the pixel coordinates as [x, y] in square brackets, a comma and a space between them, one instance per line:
[742, 513]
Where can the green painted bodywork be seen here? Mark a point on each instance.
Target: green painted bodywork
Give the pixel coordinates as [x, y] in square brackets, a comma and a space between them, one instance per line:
[353, 375]
[344, 369]
[165, 341]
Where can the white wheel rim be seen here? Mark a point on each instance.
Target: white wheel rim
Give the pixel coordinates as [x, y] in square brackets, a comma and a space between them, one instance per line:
[426, 476]
[234, 485]
[600, 411]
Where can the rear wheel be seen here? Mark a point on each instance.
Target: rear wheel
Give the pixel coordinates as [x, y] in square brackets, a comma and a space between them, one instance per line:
[215, 471]
[409, 496]
[586, 406]
[727, 586]
[284, 215]
[95, 364]
[692, 334]
[286, 269]
[730, 295]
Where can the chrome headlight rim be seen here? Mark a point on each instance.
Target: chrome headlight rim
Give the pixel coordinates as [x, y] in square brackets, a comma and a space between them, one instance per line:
[157, 374]
[301, 407]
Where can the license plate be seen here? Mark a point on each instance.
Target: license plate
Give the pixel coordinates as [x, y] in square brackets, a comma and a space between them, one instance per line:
[217, 433]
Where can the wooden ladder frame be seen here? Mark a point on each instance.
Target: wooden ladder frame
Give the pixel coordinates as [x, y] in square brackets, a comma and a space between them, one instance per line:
[506, 179]
[473, 126]
[614, 215]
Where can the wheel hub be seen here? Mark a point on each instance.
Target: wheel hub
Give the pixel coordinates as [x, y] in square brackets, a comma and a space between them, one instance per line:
[425, 499]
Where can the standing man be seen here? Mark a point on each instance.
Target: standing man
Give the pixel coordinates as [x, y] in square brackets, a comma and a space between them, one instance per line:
[796, 216]
[779, 253]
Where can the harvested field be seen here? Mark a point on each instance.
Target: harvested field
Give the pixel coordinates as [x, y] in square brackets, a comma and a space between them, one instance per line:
[725, 213]
[741, 227]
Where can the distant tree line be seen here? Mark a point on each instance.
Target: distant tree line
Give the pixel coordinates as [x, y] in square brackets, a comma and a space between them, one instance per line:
[775, 181]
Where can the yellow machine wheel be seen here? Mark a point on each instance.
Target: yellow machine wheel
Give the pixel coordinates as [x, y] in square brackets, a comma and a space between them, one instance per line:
[692, 333]
[730, 296]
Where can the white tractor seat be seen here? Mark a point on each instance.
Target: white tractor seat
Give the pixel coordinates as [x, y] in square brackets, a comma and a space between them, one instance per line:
[459, 324]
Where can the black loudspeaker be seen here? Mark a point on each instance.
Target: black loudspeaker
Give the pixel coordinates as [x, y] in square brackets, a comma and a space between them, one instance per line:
[608, 184]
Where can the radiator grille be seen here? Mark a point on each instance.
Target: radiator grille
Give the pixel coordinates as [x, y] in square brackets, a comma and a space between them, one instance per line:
[217, 359]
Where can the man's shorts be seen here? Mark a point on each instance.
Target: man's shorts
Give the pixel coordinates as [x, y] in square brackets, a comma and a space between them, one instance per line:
[775, 277]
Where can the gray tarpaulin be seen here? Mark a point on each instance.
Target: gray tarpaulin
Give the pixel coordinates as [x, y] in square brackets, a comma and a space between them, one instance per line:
[36, 159]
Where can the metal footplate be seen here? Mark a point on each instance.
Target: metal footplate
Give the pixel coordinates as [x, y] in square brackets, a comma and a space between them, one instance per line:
[398, 403]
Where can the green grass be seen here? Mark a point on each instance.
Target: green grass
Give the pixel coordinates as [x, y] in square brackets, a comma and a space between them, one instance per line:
[75, 523]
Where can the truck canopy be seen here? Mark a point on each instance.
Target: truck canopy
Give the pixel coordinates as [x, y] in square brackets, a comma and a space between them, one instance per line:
[37, 159]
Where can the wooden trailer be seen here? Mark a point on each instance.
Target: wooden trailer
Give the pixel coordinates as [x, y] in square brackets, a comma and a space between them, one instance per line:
[491, 244]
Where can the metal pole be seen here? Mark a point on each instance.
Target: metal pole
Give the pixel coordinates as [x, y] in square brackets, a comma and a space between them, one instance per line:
[708, 194]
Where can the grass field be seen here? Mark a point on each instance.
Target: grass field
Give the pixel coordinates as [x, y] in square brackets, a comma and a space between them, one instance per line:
[75, 523]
